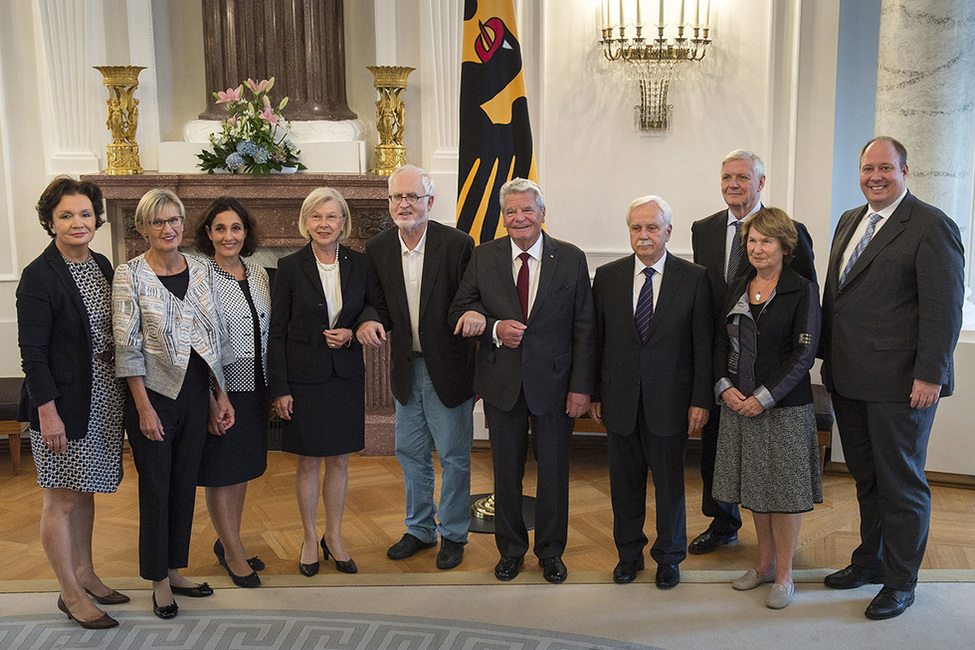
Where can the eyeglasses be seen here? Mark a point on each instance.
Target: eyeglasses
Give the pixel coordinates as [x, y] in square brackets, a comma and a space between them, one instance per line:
[172, 222]
[411, 198]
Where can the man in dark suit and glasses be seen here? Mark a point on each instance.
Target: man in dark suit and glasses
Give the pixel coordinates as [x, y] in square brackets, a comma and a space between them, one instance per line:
[716, 241]
[420, 264]
[527, 298]
[892, 312]
[653, 336]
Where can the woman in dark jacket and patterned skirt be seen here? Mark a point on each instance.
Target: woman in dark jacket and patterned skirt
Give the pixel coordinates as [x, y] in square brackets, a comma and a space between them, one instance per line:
[768, 456]
[71, 396]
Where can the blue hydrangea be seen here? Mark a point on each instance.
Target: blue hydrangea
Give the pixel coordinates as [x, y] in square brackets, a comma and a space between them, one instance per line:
[262, 155]
[235, 161]
[247, 148]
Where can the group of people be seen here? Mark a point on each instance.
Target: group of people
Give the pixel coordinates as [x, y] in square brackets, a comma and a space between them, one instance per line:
[655, 348]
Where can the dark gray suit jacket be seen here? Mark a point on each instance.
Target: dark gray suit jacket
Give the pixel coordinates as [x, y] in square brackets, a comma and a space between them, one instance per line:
[557, 352]
[708, 239]
[449, 359]
[672, 370]
[899, 313]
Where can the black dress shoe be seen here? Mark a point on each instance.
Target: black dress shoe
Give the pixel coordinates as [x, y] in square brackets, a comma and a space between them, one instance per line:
[101, 623]
[407, 546]
[625, 571]
[507, 567]
[709, 541]
[166, 611]
[553, 569]
[889, 603]
[114, 598]
[345, 566]
[450, 555]
[668, 576]
[307, 570]
[255, 563]
[196, 591]
[852, 577]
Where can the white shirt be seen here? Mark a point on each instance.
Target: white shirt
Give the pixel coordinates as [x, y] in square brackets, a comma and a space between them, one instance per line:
[332, 286]
[730, 237]
[865, 223]
[412, 277]
[534, 269]
[656, 278]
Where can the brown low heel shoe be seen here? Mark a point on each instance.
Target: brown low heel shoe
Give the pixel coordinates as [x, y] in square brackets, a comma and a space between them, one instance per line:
[101, 623]
[114, 598]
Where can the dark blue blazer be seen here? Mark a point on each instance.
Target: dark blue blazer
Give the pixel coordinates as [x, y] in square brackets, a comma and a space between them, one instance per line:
[296, 348]
[55, 342]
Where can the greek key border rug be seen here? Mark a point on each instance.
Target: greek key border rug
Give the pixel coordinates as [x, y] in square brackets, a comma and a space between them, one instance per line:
[229, 629]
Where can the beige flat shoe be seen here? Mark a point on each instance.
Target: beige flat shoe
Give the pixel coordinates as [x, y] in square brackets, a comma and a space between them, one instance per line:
[779, 596]
[750, 579]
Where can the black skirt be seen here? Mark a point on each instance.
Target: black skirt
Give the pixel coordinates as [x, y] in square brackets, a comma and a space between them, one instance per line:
[240, 454]
[327, 419]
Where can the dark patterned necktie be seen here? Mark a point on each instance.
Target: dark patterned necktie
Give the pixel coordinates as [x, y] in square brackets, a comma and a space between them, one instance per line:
[644, 306]
[736, 256]
[861, 245]
[522, 284]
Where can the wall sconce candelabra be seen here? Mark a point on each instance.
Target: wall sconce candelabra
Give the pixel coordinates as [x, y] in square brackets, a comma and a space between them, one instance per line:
[652, 62]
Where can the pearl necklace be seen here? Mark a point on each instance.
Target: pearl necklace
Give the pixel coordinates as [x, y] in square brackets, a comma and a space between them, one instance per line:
[327, 267]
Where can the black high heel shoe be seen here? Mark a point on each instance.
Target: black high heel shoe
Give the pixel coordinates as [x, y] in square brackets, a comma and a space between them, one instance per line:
[307, 570]
[256, 563]
[345, 566]
[248, 581]
[103, 622]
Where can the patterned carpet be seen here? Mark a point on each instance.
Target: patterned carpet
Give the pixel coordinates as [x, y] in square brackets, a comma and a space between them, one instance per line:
[216, 629]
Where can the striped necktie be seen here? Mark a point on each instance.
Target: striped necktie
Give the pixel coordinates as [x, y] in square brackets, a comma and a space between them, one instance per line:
[644, 306]
[737, 256]
[861, 245]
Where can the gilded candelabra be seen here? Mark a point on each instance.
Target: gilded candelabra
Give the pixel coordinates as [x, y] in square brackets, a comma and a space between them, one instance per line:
[390, 81]
[652, 62]
[123, 117]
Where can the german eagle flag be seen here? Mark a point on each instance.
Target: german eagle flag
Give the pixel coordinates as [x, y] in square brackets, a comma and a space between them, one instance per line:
[495, 136]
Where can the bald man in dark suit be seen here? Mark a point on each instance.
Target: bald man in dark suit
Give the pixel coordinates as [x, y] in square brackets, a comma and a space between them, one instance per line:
[527, 297]
[892, 312]
[715, 248]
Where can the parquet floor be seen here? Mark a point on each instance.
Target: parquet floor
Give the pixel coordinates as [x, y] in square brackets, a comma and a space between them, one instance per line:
[374, 520]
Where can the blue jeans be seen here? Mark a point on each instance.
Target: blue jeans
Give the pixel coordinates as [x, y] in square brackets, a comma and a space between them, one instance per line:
[422, 424]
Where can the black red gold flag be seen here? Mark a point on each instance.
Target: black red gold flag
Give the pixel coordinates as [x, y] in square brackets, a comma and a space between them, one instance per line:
[495, 135]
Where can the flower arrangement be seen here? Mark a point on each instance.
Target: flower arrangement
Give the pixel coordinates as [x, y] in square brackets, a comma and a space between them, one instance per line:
[253, 139]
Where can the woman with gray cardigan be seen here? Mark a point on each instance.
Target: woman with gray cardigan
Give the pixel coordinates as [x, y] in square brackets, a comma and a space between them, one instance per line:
[171, 339]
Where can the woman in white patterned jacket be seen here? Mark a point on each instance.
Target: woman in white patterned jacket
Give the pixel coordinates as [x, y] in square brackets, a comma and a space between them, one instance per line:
[170, 338]
[228, 235]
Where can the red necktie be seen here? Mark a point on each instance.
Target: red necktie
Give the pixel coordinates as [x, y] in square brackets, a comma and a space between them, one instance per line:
[522, 284]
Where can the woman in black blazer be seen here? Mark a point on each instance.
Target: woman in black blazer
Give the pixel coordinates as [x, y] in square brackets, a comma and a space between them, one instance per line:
[315, 370]
[71, 396]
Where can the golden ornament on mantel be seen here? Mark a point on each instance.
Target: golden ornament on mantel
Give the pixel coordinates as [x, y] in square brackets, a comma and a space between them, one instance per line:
[390, 81]
[123, 117]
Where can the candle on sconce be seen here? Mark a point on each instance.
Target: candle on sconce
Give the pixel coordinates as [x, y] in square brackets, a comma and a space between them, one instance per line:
[622, 22]
[660, 22]
[604, 13]
[639, 19]
[697, 13]
[680, 21]
[707, 14]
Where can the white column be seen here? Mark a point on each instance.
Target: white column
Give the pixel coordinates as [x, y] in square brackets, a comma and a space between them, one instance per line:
[441, 29]
[69, 41]
[926, 97]
[142, 51]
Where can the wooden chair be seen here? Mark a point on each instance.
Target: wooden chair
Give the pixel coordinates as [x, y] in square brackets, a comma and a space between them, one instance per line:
[10, 388]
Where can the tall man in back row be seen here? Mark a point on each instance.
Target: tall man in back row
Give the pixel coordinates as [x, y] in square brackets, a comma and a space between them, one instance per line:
[420, 264]
[892, 311]
[527, 297]
[716, 241]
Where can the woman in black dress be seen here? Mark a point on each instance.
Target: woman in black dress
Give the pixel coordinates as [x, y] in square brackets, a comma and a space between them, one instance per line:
[71, 396]
[233, 457]
[315, 370]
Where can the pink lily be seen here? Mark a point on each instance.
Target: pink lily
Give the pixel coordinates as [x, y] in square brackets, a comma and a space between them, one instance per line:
[232, 95]
[257, 87]
[268, 116]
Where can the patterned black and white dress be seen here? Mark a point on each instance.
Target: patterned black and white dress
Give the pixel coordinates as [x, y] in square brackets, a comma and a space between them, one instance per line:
[92, 463]
[240, 454]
